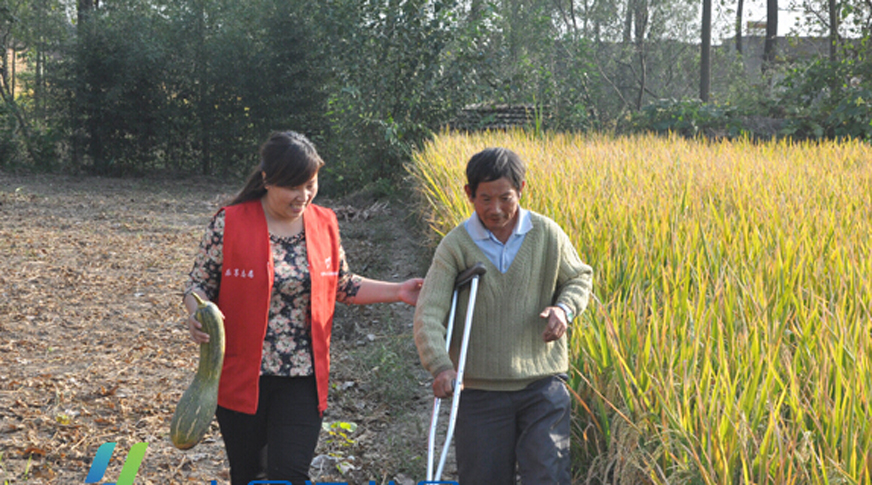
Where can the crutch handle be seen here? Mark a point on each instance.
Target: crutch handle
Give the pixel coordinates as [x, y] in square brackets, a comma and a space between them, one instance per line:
[468, 274]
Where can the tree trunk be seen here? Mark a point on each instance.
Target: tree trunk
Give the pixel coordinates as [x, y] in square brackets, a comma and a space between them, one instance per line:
[640, 29]
[770, 44]
[84, 9]
[39, 82]
[12, 83]
[7, 94]
[739, 14]
[705, 61]
[833, 8]
[204, 108]
[628, 23]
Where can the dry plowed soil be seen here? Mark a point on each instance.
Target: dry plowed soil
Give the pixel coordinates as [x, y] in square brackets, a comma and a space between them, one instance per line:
[93, 348]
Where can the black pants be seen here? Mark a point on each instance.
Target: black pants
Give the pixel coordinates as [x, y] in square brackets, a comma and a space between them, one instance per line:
[278, 442]
[497, 431]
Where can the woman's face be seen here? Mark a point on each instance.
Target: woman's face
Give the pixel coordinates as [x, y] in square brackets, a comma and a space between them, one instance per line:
[289, 203]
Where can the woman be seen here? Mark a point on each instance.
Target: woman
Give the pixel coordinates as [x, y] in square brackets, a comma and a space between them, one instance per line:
[273, 263]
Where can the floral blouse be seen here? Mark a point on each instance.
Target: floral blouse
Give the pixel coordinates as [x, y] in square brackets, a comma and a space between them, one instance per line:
[287, 346]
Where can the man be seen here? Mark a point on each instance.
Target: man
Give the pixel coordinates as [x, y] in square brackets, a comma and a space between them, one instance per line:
[514, 409]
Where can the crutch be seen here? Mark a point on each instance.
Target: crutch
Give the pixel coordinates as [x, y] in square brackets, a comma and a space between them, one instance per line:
[469, 276]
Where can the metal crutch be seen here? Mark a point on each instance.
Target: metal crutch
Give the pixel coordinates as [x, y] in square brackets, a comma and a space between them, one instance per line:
[469, 276]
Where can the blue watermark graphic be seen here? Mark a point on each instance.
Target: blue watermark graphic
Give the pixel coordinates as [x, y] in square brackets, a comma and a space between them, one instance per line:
[128, 471]
[137, 453]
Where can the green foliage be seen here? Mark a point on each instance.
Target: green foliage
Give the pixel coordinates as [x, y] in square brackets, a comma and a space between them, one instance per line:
[391, 380]
[184, 86]
[401, 70]
[852, 116]
[34, 147]
[339, 440]
[43, 146]
[196, 85]
[828, 99]
[689, 117]
[3, 469]
[10, 148]
[338, 433]
[29, 32]
[849, 117]
[121, 95]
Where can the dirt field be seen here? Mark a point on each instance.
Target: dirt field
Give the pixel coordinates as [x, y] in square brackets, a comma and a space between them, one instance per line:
[93, 348]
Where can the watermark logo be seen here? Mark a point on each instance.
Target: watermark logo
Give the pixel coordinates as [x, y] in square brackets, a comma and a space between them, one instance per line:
[137, 453]
[285, 482]
[128, 471]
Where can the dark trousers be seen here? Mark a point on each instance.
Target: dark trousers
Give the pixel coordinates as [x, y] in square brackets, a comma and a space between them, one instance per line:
[278, 442]
[495, 430]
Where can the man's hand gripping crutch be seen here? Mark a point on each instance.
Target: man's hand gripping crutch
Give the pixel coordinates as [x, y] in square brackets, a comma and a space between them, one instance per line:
[469, 277]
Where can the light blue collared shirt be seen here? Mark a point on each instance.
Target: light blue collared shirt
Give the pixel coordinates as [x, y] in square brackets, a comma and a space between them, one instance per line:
[501, 255]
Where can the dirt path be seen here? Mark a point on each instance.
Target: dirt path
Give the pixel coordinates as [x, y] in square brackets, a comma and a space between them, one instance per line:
[93, 350]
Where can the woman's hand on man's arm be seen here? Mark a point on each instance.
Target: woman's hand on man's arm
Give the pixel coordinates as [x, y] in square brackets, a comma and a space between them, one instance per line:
[375, 291]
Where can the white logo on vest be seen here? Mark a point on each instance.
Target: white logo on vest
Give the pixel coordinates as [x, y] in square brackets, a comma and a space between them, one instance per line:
[328, 263]
[239, 273]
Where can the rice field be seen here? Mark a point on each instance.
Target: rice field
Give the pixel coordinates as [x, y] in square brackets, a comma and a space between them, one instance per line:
[729, 338]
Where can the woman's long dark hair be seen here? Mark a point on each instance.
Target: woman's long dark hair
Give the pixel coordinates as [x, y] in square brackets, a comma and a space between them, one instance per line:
[287, 159]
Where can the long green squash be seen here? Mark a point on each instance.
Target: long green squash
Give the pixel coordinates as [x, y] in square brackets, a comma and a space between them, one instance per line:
[197, 406]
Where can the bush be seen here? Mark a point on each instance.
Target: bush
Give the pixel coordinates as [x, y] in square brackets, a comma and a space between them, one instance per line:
[689, 117]
[828, 99]
[852, 116]
[8, 145]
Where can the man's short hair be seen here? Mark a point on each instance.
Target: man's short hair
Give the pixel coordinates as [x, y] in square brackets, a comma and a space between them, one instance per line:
[492, 164]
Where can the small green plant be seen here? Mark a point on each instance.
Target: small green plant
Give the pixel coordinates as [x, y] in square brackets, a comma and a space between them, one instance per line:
[26, 475]
[3, 469]
[391, 378]
[338, 433]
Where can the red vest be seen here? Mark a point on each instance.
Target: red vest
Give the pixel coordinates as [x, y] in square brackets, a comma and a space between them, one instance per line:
[246, 288]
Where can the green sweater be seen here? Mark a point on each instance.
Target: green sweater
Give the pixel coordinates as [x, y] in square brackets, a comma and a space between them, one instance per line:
[506, 350]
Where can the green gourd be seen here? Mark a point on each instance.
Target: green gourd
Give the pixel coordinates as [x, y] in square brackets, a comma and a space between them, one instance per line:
[197, 406]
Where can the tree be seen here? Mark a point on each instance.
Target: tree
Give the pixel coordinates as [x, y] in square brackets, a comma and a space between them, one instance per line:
[640, 24]
[705, 56]
[191, 84]
[84, 30]
[740, 7]
[31, 30]
[833, 9]
[8, 21]
[400, 70]
[770, 44]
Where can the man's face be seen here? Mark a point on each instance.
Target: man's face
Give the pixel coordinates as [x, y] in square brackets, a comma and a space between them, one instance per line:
[496, 203]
